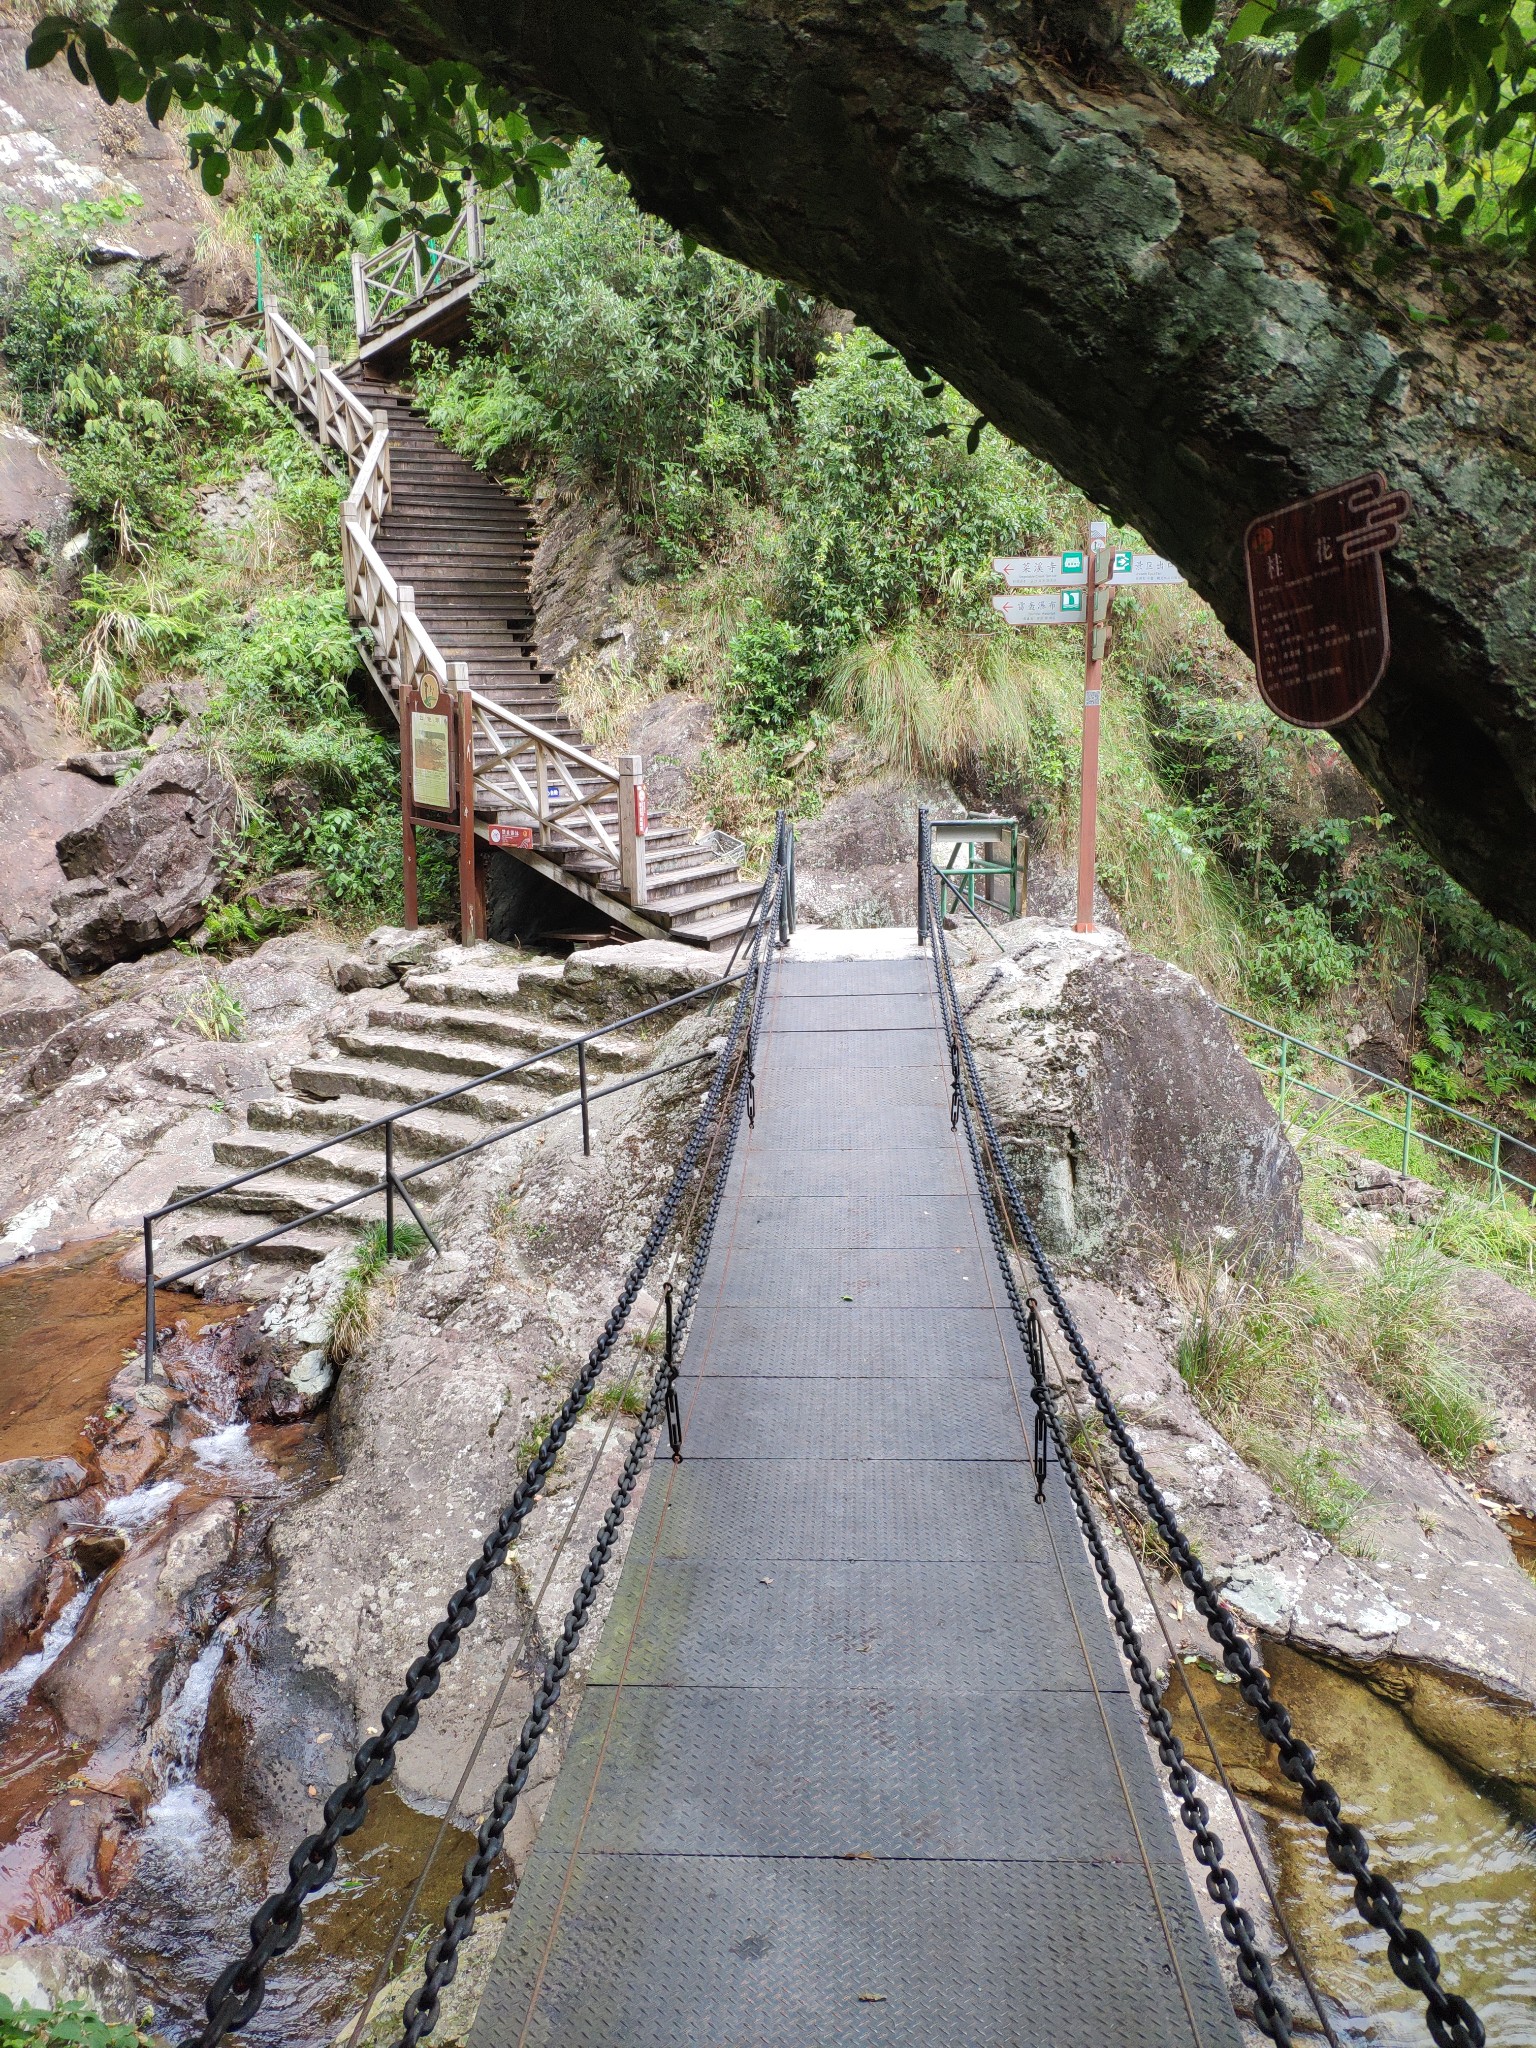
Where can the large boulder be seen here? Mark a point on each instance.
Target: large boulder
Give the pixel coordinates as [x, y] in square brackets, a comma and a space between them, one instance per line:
[36, 501]
[34, 1001]
[139, 874]
[1136, 1127]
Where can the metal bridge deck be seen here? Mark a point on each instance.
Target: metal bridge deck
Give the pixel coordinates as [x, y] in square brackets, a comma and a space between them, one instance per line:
[857, 1763]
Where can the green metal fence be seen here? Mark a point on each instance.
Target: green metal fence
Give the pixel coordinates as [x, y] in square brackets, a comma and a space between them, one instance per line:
[1419, 1112]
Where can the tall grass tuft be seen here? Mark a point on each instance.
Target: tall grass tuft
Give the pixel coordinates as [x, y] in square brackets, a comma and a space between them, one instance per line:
[351, 1317]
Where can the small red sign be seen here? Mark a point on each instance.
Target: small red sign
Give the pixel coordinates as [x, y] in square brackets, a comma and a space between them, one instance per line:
[1318, 599]
[510, 835]
[642, 811]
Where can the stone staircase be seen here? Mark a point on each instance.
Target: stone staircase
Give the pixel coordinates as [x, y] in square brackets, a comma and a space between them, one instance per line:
[385, 1049]
[465, 548]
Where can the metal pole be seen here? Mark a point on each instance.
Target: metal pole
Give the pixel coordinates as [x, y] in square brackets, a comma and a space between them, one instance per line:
[1496, 1182]
[922, 861]
[389, 1187]
[1094, 634]
[149, 1299]
[586, 1128]
[1285, 1047]
[785, 854]
[260, 297]
[1407, 1129]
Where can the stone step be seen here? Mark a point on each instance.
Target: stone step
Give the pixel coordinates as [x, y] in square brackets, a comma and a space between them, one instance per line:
[305, 1245]
[383, 1084]
[435, 1065]
[491, 1028]
[287, 1198]
[425, 1134]
[487, 988]
[357, 1163]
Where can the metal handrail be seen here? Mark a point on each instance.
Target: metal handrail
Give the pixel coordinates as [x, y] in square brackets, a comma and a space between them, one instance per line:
[394, 1181]
[1499, 1175]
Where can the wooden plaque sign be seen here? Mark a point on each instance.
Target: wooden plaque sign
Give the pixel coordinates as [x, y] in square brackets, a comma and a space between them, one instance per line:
[1318, 599]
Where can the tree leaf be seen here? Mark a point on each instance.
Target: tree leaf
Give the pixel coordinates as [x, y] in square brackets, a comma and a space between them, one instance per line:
[1196, 16]
[1252, 20]
[1312, 59]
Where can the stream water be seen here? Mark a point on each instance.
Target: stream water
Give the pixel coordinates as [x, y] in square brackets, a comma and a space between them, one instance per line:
[1464, 1863]
[188, 1889]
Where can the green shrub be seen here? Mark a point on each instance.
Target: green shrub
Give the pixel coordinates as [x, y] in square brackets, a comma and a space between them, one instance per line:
[605, 347]
[766, 684]
[70, 2025]
[886, 511]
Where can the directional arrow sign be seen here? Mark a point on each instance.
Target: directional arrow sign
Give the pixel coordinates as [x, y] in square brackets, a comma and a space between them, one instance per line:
[1129, 568]
[1043, 608]
[1020, 572]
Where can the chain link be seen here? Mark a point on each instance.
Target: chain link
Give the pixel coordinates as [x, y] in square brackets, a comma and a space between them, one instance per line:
[238, 1991]
[442, 1959]
[1452, 2021]
[1236, 1922]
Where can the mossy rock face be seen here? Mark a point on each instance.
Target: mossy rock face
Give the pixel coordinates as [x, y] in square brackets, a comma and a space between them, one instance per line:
[1136, 1127]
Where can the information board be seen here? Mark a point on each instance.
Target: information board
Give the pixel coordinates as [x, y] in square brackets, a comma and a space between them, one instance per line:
[431, 776]
[1318, 599]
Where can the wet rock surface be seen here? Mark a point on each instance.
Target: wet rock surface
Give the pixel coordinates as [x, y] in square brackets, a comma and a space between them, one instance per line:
[1135, 1125]
[32, 1521]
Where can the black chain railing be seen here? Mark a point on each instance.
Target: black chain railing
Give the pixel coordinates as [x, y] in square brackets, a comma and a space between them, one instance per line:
[1451, 2019]
[441, 1966]
[237, 1993]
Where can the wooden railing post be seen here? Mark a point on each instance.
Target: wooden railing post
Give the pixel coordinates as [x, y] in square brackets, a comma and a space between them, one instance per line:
[403, 635]
[360, 294]
[269, 333]
[474, 239]
[322, 391]
[404, 705]
[471, 880]
[632, 828]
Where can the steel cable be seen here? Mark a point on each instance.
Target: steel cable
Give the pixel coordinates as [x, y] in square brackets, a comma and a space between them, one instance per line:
[441, 1964]
[237, 1993]
[1452, 2021]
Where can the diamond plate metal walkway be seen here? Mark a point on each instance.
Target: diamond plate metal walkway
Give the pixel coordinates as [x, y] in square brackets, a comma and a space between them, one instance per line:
[857, 1762]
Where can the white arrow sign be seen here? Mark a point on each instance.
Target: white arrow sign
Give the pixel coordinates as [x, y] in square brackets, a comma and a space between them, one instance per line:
[1043, 608]
[1129, 568]
[1019, 572]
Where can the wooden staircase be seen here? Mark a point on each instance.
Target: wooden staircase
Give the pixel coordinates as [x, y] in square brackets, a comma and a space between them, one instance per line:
[464, 547]
[439, 564]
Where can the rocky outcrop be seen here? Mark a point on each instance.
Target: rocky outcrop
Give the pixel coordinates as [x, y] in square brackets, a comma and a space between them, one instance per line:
[139, 874]
[856, 861]
[106, 1684]
[36, 501]
[31, 1523]
[80, 1159]
[61, 145]
[1430, 1606]
[34, 1001]
[1135, 1125]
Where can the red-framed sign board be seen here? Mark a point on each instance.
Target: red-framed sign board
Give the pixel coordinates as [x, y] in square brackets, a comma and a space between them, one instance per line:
[1318, 599]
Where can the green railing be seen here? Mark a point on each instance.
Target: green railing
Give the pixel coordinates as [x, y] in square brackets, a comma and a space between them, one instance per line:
[1287, 1073]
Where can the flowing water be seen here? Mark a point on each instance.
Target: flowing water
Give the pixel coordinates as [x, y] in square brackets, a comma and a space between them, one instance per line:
[67, 1323]
[1464, 1863]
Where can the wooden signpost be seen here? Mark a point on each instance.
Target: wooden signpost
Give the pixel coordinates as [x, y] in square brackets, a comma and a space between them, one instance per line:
[1318, 599]
[1084, 580]
[437, 788]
